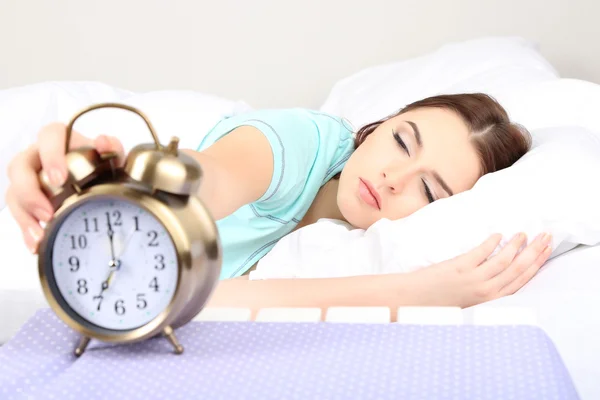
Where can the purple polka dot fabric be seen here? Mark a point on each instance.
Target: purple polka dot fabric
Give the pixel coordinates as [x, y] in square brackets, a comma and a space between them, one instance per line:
[272, 360]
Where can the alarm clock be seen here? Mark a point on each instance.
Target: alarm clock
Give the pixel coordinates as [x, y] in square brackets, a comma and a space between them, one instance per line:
[131, 252]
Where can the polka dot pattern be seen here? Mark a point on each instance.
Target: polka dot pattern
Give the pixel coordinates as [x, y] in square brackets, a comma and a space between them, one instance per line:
[261, 360]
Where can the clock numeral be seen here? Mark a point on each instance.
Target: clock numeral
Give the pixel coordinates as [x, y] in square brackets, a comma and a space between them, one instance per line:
[120, 307]
[79, 241]
[137, 223]
[153, 235]
[141, 302]
[154, 284]
[74, 263]
[161, 262]
[116, 218]
[100, 302]
[82, 286]
[87, 225]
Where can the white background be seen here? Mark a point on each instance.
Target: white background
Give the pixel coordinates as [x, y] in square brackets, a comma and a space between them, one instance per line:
[270, 53]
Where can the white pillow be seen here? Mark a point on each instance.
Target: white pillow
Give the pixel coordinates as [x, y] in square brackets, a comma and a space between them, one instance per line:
[24, 110]
[555, 111]
[528, 87]
[185, 114]
[495, 65]
[554, 188]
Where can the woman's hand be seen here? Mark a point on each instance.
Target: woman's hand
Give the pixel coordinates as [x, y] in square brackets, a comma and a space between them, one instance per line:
[472, 278]
[27, 203]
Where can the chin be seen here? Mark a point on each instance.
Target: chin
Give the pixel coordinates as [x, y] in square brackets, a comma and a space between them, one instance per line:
[354, 214]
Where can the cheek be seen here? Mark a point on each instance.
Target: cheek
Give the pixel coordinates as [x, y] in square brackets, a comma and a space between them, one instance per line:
[402, 207]
[359, 165]
[371, 157]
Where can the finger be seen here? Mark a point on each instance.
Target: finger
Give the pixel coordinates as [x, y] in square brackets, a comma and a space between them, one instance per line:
[25, 187]
[504, 258]
[480, 253]
[51, 143]
[110, 144]
[529, 273]
[523, 261]
[30, 228]
[118, 146]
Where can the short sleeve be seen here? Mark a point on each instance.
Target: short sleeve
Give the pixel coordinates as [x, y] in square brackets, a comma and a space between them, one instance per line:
[309, 148]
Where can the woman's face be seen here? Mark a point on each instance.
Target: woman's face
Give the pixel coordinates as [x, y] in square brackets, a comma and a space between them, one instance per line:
[406, 163]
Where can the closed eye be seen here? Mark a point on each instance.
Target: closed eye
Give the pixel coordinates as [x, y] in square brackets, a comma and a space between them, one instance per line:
[400, 142]
[428, 193]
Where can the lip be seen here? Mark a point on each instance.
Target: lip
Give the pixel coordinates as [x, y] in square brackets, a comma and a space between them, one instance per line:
[368, 194]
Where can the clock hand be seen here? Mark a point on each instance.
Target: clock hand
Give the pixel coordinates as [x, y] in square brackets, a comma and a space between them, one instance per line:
[111, 235]
[114, 266]
[115, 262]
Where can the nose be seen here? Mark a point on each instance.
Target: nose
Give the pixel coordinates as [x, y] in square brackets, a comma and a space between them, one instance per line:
[396, 178]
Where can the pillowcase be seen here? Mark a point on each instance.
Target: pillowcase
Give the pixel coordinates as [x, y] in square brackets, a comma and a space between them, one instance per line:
[25, 110]
[553, 188]
[494, 65]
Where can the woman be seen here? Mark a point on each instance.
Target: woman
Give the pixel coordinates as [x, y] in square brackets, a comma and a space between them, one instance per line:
[272, 171]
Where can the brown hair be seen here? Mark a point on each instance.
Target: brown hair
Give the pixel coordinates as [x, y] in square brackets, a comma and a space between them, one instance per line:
[498, 142]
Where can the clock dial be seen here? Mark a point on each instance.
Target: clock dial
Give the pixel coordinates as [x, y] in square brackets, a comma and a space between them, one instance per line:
[114, 264]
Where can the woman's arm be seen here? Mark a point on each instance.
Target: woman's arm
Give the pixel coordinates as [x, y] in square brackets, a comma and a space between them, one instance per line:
[370, 290]
[463, 281]
[237, 170]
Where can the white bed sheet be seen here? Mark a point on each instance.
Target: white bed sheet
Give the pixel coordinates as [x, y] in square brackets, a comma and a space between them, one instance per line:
[566, 300]
[20, 290]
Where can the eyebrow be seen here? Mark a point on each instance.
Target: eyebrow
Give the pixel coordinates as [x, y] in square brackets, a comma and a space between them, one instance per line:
[437, 176]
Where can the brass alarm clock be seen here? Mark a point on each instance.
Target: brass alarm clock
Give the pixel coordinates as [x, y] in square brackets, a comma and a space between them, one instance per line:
[131, 252]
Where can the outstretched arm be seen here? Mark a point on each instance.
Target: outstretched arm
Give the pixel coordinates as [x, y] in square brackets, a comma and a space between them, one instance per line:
[237, 170]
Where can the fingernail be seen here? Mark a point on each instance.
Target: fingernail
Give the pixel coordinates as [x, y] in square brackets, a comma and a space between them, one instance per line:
[43, 214]
[56, 177]
[519, 236]
[548, 250]
[546, 238]
[103, 141]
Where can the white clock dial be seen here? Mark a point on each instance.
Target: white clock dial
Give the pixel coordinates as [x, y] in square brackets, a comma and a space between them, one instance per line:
[114, 264]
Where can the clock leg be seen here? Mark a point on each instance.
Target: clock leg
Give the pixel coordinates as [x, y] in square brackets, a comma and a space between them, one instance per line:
[170, 335]
[82, 345]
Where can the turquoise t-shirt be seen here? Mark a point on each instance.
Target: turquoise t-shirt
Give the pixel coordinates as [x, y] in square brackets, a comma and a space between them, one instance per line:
[309, 148]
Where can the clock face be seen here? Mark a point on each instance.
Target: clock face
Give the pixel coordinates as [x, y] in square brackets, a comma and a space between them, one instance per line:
[114, 264]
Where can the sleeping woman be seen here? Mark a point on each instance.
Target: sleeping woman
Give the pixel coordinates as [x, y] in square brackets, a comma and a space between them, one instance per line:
[270, 172]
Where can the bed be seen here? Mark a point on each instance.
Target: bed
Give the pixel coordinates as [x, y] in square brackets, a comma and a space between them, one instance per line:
[562, 299]
[542, 88]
